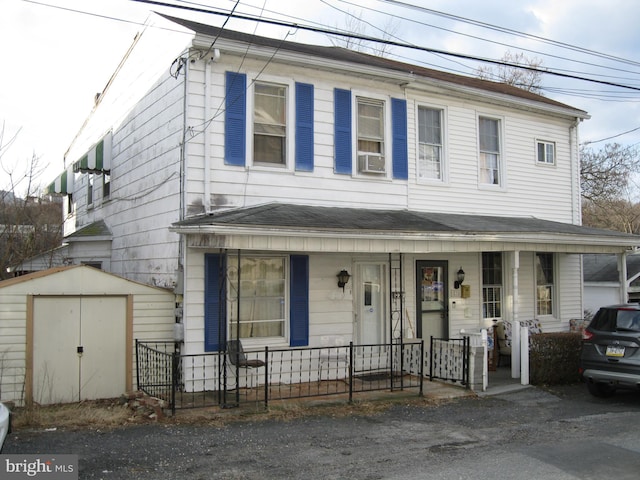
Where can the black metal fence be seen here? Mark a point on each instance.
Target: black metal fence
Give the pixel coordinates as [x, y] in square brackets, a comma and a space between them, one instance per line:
[186, 381]
[449, 359]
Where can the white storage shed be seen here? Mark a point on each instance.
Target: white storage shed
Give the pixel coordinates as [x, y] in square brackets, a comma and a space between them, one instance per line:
[67, 333]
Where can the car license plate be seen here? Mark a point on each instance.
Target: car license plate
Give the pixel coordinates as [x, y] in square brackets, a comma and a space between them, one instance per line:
[615, 351]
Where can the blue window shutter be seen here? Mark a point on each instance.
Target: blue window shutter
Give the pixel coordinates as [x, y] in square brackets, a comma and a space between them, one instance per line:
[304, 127]
[215, 315]
[235, 123]
[299, 302]
[399, 153]
[342, 130]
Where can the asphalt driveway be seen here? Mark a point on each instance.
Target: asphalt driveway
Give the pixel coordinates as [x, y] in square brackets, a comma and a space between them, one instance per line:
[561, 433]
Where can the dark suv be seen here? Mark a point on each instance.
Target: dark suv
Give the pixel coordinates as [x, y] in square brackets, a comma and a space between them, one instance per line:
[611, 350]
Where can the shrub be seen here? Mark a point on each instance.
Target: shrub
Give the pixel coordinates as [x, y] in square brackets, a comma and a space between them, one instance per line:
[554, 358]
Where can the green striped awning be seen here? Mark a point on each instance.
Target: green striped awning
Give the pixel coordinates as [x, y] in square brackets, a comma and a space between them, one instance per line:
[97, 159]
[62, 185]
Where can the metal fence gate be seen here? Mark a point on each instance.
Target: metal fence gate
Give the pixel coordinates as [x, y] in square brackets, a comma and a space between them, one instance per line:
[449, 359]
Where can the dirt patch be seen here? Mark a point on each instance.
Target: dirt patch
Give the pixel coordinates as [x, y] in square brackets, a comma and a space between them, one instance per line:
[113, 413]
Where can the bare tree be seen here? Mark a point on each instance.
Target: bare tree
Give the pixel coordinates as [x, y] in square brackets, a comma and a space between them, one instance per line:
[30, 224]
[510, 71]
[618, 215]
[607, 189]
[355, 25]
[605, 174]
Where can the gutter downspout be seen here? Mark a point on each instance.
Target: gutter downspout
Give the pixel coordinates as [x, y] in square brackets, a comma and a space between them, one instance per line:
[574, 152]
[211, 58]
[207, 136]
[622, 270]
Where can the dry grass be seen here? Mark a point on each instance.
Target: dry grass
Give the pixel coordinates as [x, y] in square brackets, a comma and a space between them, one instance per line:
[105, 414]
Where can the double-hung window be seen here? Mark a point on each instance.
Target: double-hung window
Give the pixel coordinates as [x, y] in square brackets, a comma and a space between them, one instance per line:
[545, 152]
[544, 284]
[430, 143]
[490, 156]
[262, 297]
[370, 128]
[90, 189]
[491, 284]
[270, 124]
[106, 185]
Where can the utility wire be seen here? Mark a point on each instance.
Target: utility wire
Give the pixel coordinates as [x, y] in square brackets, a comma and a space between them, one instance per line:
[389, 42]
[513, 32]
[613, 136]
[495, 42]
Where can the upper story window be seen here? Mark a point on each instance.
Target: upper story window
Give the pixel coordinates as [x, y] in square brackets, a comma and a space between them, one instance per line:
[270, 124]
[430, 143]
[544, 284]
[490, 151]
[106, 185]
[90, 189]
[370, 139]
[545, 152]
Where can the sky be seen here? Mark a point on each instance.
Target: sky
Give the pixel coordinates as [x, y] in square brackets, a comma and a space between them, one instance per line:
[58, 54]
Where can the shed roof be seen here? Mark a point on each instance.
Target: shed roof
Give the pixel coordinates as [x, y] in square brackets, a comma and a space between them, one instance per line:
[604, 268]
[77, 280]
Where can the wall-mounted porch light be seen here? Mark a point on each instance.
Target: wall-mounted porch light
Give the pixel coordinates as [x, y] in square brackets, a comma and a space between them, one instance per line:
[343, 279]
[460, 278]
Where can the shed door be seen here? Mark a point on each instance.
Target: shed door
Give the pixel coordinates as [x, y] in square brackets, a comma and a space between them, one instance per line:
[79, 346]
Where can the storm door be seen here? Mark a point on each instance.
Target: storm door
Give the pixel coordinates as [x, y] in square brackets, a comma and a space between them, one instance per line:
[432, 300]
[372, 303]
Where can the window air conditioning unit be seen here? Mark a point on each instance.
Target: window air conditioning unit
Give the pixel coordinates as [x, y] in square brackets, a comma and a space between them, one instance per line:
[371, 163]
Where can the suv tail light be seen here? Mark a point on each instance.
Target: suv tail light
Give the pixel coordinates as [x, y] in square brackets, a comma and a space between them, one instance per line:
[587, 335]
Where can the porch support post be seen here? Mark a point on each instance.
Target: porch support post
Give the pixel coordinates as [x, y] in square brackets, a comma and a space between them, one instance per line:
[515, 329]
[622, 271]
[524, 345]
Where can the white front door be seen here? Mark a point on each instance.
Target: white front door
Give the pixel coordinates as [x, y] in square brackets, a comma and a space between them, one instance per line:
[372, 297]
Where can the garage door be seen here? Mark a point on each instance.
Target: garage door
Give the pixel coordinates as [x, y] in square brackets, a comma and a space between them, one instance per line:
[79, 346]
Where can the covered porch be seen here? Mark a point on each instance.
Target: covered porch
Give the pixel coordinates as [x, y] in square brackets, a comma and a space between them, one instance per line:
[403, 274]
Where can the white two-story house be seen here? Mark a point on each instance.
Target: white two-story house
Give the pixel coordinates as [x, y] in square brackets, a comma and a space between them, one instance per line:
[250, 172]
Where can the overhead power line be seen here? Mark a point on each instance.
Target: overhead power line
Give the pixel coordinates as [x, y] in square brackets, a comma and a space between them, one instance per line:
[513, 32]
[384, 41]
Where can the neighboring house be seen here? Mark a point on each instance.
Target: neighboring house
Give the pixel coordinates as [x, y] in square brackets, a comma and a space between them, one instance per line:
[602, 286]
[249, 172]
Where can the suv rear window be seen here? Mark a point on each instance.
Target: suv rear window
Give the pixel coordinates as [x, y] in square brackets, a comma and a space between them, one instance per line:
[611, 320]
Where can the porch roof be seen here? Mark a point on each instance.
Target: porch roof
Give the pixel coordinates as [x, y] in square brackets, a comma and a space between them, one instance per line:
[288, 220]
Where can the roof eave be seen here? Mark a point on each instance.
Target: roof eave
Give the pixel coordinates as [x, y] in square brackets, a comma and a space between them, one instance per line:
[622, 243]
